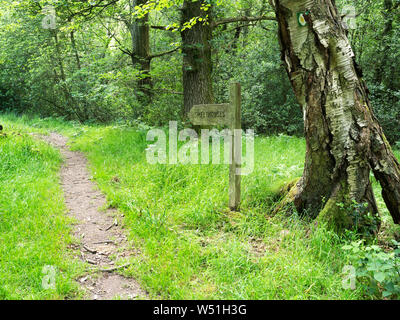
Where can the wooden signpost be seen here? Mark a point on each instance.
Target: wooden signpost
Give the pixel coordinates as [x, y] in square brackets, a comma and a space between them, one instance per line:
[230, 115]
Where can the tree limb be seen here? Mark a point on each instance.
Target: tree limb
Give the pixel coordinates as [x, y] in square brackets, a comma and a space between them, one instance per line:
[245, 25]
[164, 28]
[87, 12]
[113, 36]
[241, 19]
[158, 55]
[168, 91]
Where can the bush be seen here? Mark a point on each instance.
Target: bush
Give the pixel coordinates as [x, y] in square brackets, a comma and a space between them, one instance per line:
[378, 271]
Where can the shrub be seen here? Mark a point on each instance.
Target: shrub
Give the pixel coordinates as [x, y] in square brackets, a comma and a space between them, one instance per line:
[378, 271]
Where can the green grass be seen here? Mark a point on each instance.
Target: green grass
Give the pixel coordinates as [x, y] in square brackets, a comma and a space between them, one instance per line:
[34, 231]
[190, 246]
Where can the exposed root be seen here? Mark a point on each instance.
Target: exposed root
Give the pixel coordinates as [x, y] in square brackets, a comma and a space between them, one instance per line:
[288, 194]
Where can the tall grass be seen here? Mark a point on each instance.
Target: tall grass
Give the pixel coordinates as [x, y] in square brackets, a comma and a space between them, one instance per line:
[190, 246]
[34, 230]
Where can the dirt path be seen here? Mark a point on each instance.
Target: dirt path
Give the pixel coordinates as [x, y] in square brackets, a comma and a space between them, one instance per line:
[102, 241]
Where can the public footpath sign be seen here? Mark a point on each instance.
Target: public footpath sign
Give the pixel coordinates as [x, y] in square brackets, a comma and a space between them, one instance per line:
[228, 114]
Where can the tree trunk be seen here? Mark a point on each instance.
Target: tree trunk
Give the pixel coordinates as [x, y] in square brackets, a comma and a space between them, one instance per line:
[59, 56]
[61, 80]
[344, 141]
[140, 56]
[197, 64]
[75, 49]
[384, 63]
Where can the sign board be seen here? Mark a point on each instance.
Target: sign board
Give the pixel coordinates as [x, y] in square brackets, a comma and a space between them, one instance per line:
[211, 114]
[228, 114]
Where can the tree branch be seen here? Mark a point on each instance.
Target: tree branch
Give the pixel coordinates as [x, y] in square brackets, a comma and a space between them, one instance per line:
[161, 28]
[241, 19]
[88, 11]
[120, 46]
[243, 26]
[158, 55]
[168, 91]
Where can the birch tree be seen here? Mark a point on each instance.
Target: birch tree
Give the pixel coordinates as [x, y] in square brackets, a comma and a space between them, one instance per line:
[344, 140]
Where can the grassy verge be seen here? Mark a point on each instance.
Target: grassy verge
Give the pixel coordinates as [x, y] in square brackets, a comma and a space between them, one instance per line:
[190, 246]
[34, 231]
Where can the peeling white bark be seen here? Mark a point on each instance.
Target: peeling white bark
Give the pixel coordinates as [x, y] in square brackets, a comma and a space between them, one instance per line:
[339, 124]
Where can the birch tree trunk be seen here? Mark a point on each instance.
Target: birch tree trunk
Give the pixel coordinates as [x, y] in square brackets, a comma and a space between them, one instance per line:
[344, 140]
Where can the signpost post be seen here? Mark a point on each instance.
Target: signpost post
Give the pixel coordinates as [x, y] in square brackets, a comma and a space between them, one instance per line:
[229, 115]
[235, 167]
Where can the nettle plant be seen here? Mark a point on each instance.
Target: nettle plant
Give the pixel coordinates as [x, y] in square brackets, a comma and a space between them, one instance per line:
[378, 271]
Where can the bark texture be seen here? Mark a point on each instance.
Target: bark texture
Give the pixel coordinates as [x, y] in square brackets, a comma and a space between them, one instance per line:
[140, 55]
[344, 139]
[196, 49]
[384, 63]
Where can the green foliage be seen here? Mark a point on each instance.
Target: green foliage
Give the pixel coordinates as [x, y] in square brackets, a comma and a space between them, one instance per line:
[386, 105]
[269, 104]
[93, 79]
[376, 270]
